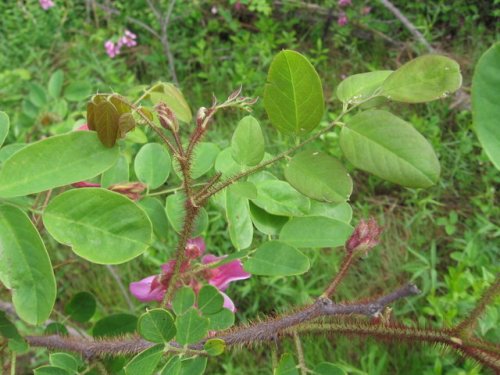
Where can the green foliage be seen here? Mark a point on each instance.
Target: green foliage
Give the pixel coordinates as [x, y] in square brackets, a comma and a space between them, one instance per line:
[75, 216]
[286, 366]
[184, 298]
[274, 258]
[247, 144]
[81, 307]
[176, 213]
[170, 95]
[4, 127]
[145, 362]
[359, 87]
[485, 107]
[238, 219]
[54, 162]
[293, 96]
[191, 327]
[25, 266]
[210, 300]
[157, 325]
[214, 347]
[152, 165]
[423, 79]
[319, 176]
[381, 143]
[115, 325]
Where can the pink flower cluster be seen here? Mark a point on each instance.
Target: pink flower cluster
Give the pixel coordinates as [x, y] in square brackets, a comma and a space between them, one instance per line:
[342, 19]
[128, 39]
[153, 288]
[46, 4]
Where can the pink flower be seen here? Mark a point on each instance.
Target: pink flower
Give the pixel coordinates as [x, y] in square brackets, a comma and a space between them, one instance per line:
[46, 4]
[344, 3]
[342, 20]
[111, 49]
[153, 288]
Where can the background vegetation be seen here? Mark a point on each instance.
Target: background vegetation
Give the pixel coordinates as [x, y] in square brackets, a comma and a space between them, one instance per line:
[445, 238]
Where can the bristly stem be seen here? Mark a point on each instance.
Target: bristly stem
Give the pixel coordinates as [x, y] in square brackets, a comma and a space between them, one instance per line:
[344, 267]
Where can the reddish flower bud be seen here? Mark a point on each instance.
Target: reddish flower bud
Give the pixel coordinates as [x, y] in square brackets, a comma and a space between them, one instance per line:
[365, 236]
[132, 190]
[167, 117]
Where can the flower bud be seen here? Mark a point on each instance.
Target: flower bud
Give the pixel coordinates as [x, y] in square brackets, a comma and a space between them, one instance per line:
[167, 117]
[132, 190]
[200, 116]
[365, 236]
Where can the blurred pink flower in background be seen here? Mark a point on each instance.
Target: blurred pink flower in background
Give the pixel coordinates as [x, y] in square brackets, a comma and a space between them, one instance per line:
[344, 3]
[128, 39]
[342, 20]
[153, 288]
[46, 4]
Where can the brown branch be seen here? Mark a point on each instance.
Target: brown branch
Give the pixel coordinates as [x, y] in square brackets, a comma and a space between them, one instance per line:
[406, 22]
[344, 267]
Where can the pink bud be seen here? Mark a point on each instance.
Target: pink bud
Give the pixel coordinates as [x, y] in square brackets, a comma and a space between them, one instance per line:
[365, 236]
[344, 3]
[342, 20]
[46, 4]
[167, 117]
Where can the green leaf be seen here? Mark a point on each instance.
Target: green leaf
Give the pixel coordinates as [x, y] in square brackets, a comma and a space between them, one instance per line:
[56, 329]
[210, 300]
[214, 347]
[225, 164]
[247, 144]
[152, 165]
[157, 325]
[51, 370]
[7, 328]
[265, 222]
[275, 258]
[423, 79]
[4, 127]
[184, 298]
[485, 103]
[145, 362]
[221, 320]
[118, 173]
[173, 98]
[54, 162]
[191, 327]
[101, 226]
[358, 87]
[279, 198]
[193, 366]
[390, 148]
[244, 189]
[81, 308]
[8, 150]
[293, 96]
[37, 95]
[204, 158]
[340, 211]
[172, 367]
[176, 212]
[115, 325]
[319, 176]
[77, 91]
[157, 215]
[65, 361]
[56, 82]
[286, 366]
[315, 232]
[25, 266]
[326, 368]
[239, 221]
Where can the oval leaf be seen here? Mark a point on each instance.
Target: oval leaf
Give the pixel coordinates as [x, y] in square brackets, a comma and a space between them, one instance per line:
[56, 83]
[157, 215]
[265, 222]
[293, 96]
[145, 362]
[239, 221]
[183, 300]
[315, 232]
[115, 325]
[204, 158]
[423, 79]
[25, 266]
[191, 327]
[210, 300]
[176, 212]
[157, 325]
[247, 144]
[81, 307]
[383, 144]
[359, 87]
[214, 347]
[117, 174]
[4, 127]
[78, 91]
[221, 320]
[101, 226]
[53, 162]
[279, 198]
[275, 258]
[485, 103]
[319, 176]
[152, 165]
[106, 120]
